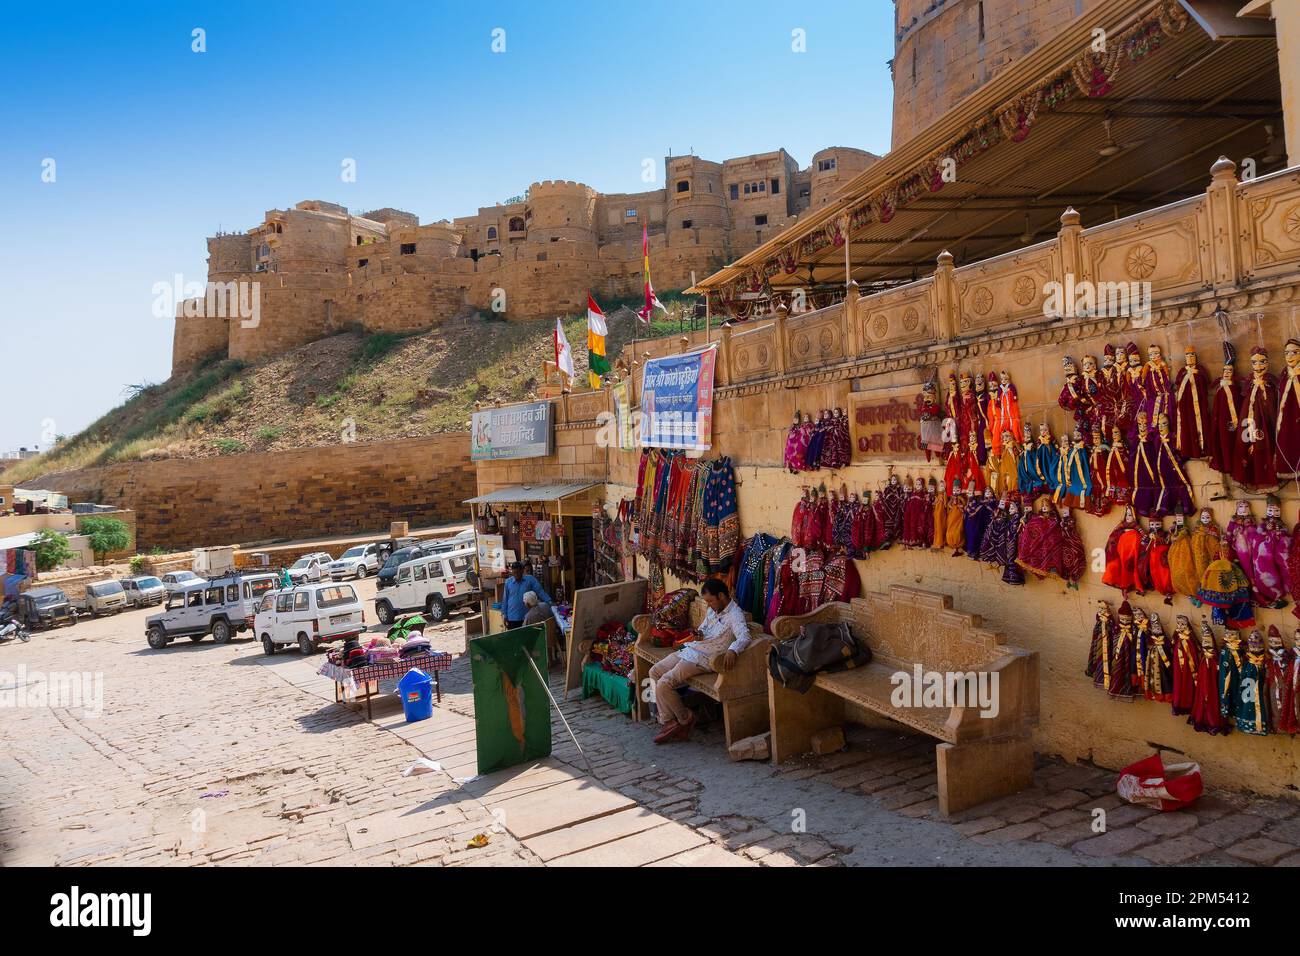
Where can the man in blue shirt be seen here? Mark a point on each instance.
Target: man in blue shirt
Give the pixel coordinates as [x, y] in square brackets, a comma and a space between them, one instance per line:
[512, 595]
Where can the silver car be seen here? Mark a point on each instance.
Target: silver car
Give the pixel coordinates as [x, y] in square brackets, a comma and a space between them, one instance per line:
[144, 591]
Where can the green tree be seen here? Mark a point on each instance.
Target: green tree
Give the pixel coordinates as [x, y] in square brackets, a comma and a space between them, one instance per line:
[51, 549]
[105, 535]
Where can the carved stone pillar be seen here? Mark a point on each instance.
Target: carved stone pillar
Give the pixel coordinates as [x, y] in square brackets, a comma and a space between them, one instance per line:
[779, 353]
[1225, 247]
[852, 324]
[945, 298]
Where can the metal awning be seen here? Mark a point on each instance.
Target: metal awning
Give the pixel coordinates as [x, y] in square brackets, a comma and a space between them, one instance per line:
[522, 494]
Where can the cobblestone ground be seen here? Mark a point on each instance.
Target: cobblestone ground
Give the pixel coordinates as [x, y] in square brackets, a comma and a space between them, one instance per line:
[206, 754]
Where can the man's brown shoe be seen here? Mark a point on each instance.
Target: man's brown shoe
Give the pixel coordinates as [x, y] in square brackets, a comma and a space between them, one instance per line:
[683, 731]
[666, 734]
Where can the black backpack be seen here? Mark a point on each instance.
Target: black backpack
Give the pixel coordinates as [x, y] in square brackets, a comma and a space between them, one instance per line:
[795, 662]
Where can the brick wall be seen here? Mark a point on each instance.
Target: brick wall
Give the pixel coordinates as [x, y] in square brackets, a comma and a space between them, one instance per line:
[339, 489]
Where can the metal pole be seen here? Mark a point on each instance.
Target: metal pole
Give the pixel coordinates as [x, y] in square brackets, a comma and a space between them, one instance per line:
[554, 703]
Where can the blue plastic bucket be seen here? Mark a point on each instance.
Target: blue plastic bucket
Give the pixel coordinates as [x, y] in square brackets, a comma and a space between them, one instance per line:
[416, 690]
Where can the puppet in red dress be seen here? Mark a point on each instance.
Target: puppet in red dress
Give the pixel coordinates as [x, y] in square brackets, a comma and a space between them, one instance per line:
[1003, 412]
[1288, 414]
[1191, 408]
[1225, 415]
[1099, 501]
[1186, 660]
[1254, 451]
[1122, 550]
[1207, 713]
[1075, 398]
[1279, 668]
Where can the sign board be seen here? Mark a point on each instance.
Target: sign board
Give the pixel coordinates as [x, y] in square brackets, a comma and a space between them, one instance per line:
[491, 552]
[515, 431]
[885, 425]
[677, 401]
[512, 709]
[623, 418]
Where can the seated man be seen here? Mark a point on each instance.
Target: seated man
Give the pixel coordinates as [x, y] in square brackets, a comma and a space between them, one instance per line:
[724, 632]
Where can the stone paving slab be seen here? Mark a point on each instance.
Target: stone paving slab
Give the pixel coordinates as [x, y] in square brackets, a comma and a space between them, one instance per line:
[560, 805]
[640, 849]
[593, 833]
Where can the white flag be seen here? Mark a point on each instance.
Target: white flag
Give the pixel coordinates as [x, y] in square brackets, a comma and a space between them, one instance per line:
[563, 354]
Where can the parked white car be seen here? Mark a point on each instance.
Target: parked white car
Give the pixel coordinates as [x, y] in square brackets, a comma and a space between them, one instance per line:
[174, 581]
[144, 591]
[358, 562]
[308, 615]
[309, 568]
[220, 607]
[433, 585]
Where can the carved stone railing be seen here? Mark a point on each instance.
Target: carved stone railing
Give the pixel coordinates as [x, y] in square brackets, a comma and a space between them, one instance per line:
[1220, 244]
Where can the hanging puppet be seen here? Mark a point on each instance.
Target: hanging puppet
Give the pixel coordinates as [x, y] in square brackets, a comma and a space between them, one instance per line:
[1270, 569]
[1280, 684]
[1099, 501]
[995, 535]
[1226, 590]
[1158, 680]
[1074, 561]
[1206, 541]
[1159, 574]
[894, 497]
[796, 444]
[1122, 552]
[1146, 479]
[1182, 566]
[1191, 408]
[1156, 389]
[1004, 410]
[1011, 573]
[1254, 454]
[1225, 415]
[1073, 484]
[930, 416]
[1123, 656]
[1040, 541]
[1103, 637]
[1287, 430]
[940, 517]
[1207, 709]
[979, 512]
[1141, 642]
[1002, 472]
[1240, 535]
[1249, 707]
[913, 517]
[837, 450]
[980, 419]
[955, 517]
[1075, 397]
[1186, 661]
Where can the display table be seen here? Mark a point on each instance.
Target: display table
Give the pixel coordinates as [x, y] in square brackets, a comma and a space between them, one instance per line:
[349, 679]
[614, 688]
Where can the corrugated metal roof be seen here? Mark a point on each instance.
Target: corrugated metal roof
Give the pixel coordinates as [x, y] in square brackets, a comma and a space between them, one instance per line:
[520, 494]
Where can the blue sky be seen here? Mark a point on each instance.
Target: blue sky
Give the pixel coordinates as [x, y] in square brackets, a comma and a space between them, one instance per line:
[156, 146]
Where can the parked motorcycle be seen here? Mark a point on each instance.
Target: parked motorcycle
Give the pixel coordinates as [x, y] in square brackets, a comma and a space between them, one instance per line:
[11, 629]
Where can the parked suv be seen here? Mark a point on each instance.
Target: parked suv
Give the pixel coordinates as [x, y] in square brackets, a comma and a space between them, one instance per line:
[308, 616]
[144, 591]
[388, 573]
[310, 567]
[358, 562]
[433, 585]
[42, 608]
[219, 607]
[105, 597]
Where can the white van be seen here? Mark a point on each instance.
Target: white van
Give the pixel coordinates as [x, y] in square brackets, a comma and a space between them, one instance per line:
[308, 615]
[434, 585]
[251, 589]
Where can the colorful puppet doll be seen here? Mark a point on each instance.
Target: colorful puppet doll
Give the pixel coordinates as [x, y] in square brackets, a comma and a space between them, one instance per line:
[930, 417]
[1004, 411]
[1011, 573]
[954, 536]
[1207, 710]
[1191, 408]
[1182, 566]
[913, 516]
[894, 497]
[1103, 637]
[940, 520]
[1250, 702]
[1158, 682]
[1254, 454]
[1226, 589]
[1099, 501]
[980, 419]
[1040, 541]
[1175, 489]
[1123, 655]
[1122, 551]
[995, 535]
[796, 444]
[1142, 468]
[1074, 561]
[1186, 660]
[1280, 685]
[1288, 414]
[1075, 397]
[1159, 573]
[1073, 485]
[1270, 547]
[1002, 472]
[1225, 414]
[979, 512]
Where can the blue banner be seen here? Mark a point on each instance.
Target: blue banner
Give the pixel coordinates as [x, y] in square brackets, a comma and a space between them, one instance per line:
[677, 401]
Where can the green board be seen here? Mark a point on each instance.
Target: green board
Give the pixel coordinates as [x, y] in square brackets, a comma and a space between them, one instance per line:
[512, 712]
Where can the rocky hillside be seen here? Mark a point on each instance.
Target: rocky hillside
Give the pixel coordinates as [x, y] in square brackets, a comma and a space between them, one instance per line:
[384, 385]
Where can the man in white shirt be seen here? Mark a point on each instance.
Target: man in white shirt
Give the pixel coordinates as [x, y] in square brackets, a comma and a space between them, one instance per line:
[723, 635]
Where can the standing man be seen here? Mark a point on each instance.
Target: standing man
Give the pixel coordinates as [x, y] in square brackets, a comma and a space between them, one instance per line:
[723, 635]
[512, 595]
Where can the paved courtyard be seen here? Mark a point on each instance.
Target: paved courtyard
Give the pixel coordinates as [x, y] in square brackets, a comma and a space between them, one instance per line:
[219, 755]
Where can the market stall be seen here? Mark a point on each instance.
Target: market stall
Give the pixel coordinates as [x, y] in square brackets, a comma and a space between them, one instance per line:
[356, 684]
[599, 658]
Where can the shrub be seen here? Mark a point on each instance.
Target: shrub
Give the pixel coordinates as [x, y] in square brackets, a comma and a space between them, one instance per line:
[51, 549]
[230, 446]
[105, 534]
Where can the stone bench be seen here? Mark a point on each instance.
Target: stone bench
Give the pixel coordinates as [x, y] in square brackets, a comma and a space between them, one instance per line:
[742, 691]
[979, 758]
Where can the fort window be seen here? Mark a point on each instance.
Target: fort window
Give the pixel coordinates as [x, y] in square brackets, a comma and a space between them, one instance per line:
[746, 189]
[825, 165]
[492, 232]
[408, 248]
[776, 187]
[516, 224]
[981, 18]
[358, 240]
[760, 220]
[362, 263]
[687, 223]
[683, 186]
[735, 191]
